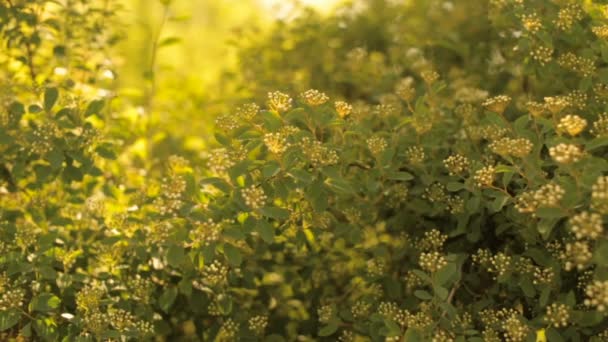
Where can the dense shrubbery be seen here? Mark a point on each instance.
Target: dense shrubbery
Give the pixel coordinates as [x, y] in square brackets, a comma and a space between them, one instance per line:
[445, 185]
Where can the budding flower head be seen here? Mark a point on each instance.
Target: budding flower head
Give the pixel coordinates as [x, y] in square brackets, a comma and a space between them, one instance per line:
[555, 104]
[572, 124]
[276, 142]
[432, 261]
[497, 104]
[258, 324]
[415, 155]
[566, 153]
[343, 108]
[254, 197]
[601, 31]
[456, 164]
[314, 97]
[405, 89]
[376, 145]
[536, 109]
[600, 126]
[247, 111]
[429, 76]
[549, 195]
[599, 195]
[597, 295]
[531, 22]
[586, 225]
[519, 147]
[279, 102]
[542, 54]
[485, 176]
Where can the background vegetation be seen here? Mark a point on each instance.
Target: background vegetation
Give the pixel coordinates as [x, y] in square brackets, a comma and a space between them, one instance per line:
[378, 171]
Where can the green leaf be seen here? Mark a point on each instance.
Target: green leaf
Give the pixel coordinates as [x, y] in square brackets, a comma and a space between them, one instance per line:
[233, 254]
[423, 276]
[340, 186]
[400, 175]
[446, 273]
[271, 169]
[600, 255]
[169, 41]
[106, 152]
[544, 296]
[45, 302]
[554, 335]
[265, 230]
[424, 295]
[50, 98]
[55, 158]
[596, 143]
[225, 304]
[301, 175]
[454, 186]
[275, 213]
[34, 109]
[94, 107]
[165, 301]
[441, 292]
[412, 335]
[329, 329]
[175, 255]
[550, 213]
[8, 319]
[218, 183]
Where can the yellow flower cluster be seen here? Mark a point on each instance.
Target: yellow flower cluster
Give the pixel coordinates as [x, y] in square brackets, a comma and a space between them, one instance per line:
[325, 313]
[601, 31]
[599, 195]
[542, 54]
[519, 147]
[581, 65]
[314, 97]
[485, 176]
[600, 126]
[586, 225]
[558, 315]
[258, 324]
[279, 102]
[376, 145]
[432, 261]
[531, 22]
[497, 104]
[343, 108]
[576, 254]
[317, 153]
[568, 15]
[572, 124]
[405, 89]
[254, 197]
[215, 273]
[456, 164]
[276, 142]
[566, 153]
[415, 155]
[597, 295]
[247, 111]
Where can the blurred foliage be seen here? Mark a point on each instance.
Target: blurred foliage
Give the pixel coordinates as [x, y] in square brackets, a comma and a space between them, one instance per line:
[390, 171]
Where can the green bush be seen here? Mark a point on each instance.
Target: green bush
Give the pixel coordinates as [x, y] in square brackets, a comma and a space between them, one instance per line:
[451, 186]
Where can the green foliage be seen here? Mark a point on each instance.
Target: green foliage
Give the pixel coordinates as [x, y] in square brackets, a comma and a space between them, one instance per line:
[447, 182]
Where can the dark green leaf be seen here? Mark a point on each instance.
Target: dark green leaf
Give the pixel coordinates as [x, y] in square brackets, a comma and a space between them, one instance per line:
[50, 98]
[275, 213]
[233, 254]
[175, 255]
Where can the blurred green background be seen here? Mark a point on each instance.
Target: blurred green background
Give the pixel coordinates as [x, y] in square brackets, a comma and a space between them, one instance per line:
[178, 58]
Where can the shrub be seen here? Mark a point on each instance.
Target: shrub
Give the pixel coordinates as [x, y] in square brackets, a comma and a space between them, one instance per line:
[458, 197]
